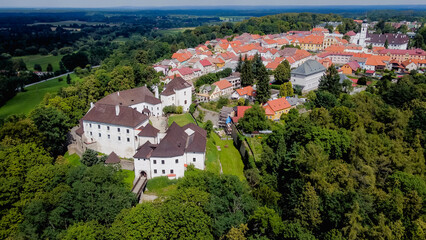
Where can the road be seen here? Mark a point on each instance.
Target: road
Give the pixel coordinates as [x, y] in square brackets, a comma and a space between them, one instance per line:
[53, 78]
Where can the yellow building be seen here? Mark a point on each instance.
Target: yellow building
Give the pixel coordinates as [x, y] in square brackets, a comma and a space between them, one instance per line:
[275, 108]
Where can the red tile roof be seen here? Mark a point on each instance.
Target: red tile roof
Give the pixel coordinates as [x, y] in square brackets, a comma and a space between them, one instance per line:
[240, 113]
[276, 105]
[205, 63]
[223, 84]
[249, 91]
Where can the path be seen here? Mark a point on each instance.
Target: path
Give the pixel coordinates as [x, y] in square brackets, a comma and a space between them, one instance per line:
[54, 77]
[210, 115]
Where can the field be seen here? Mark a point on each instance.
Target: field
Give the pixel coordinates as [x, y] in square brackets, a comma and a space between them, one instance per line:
[174, 30]
[26, 101]
[212, 157]
[73, 159]
[160, 186]
[181, 119]
[71, 22]
[43, 60]
[256, 146]
[230, 157]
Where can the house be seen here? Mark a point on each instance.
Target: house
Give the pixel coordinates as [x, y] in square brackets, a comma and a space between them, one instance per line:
[245, 92]
[239, 113]
[350, 68]
[180, 147]
[311, 42]
[224, 86]
[375, 63]
[409, 65]
[234, 79]
[275, 108]
[161, 68]
[177, 92]
[108, 128]
[140, 99]
[336, 58]
[308, 75]
[205, 66]
[185, 72]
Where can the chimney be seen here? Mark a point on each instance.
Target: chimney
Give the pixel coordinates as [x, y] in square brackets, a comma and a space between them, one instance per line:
[91, 105]
[117, 110]
[118, 93]
[156, 91]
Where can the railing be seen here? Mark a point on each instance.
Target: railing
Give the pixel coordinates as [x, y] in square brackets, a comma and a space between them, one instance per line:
[139, 186]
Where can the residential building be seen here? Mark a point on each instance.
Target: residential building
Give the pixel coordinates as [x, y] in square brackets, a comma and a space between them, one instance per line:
[404, 55]
[308, 75]
[234, 79]
[350, 68]
[275, 108]
[246, 92]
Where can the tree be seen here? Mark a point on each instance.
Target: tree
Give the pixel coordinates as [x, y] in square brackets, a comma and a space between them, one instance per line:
[308, 208]
[330, 81]
[208, 126]
[265, 222]
[418, 41]
[90, 158]
[37, 67]
[325, 99]
[49, 67]
[386, 43]
[53, 126]
[254, 119]
[262, 93]
[91, 230]
[257, 65]
[286, 90]
[247, 77]
[223, 101]
[354, 226]
[343, 117]
[282, 73]
[68, 79]
[74, 60]
[240, 64]
[122, 78]
[347, 86]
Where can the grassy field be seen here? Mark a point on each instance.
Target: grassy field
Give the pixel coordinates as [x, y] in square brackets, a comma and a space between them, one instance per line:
[174, 30]
[43, 60]
[26, 101]
[181, 119]
[212, 157]
[230, 157]
[160, 186]
[256, 145]
[129, 177]
[73, 159]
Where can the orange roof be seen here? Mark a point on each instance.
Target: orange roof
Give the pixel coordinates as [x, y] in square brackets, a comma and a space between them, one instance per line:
[326, 62]
[224, 46]
[240, 113]
[377, 49]
[270, 41]
[320, 29]
[377, 60]
[255, 36]
[312, 39]
[249, 91]
[272, 65]
[282, 41]
[171, 175]
[335, 48]
[276, 105]
[222, 84]
[182, 57]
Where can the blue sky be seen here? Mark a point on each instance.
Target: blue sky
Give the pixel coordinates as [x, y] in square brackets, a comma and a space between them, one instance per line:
[217, 3]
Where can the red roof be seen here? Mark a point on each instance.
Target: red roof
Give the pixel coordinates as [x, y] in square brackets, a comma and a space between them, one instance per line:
[369, 71]
[223, 84]
[205, 63]
[272, 65]
[350, 33]
[240, 113]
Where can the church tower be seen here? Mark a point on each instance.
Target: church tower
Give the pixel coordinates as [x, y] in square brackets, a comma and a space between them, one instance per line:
[363, 35]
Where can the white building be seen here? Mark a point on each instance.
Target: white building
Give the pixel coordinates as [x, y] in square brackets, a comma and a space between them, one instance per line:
[177, 92]
[180, 147]
[141, 99]
[394, 41]
[107, 128]
[308, 75]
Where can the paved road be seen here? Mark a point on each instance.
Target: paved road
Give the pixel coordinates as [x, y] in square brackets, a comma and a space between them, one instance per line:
[53, 78]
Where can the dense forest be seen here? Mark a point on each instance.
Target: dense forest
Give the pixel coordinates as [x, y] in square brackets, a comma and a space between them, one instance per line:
[352, 167]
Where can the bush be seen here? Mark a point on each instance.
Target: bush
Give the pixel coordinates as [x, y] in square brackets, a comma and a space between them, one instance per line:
[60, 79]
[169, 109]
[90, 158]
[192, 108]
[362, 81]
[222, 102]
[179, 110]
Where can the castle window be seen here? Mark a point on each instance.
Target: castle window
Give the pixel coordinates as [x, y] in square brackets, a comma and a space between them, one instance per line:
[99, 126]
[162, 161]
[118, 129]
[128, 139]
[99, 135]
[177, 161]
[163, 171]
[155, 170]
[107, 127]
[193, 159]
[127, 130]
[171, 170]
[154, 162]
[119, 138]
[90, 124]
[109, 136]
[90, 133]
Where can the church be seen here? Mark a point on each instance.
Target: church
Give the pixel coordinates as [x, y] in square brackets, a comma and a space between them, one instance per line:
[365, 39]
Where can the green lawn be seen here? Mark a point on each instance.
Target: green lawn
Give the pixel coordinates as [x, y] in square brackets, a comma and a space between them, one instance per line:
[256, 145]
[161, 186]
[43, 60]
[230, 157]
[26, 101]
[212, 157]
[73, 159]
[129, 177]
[181, 119]
[174, 30]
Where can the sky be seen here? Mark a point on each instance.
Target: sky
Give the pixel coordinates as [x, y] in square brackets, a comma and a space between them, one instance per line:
[166, 3]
